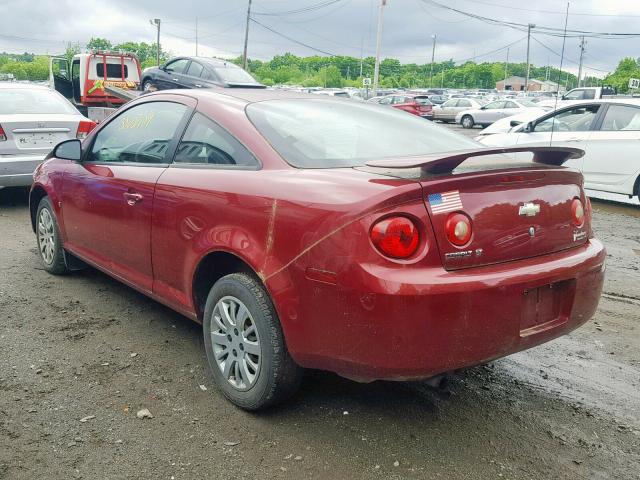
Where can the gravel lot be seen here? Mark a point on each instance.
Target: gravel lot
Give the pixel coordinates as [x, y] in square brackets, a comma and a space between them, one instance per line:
[82, 354]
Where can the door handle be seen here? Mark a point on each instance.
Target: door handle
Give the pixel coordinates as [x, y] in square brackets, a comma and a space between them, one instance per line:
[574, 139]
[175, 79]
[197, 85]
[132, 198]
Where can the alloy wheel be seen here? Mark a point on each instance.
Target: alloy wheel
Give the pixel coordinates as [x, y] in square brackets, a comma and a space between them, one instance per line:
[236, 343]
[46, 236]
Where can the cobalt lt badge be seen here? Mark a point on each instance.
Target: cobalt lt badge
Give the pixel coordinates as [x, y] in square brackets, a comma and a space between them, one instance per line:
[532, 232]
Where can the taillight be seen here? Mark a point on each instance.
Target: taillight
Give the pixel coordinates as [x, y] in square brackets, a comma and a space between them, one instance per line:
[577, 212]
[84, 127]
[395, 237]
[458, 228]
[3, 137]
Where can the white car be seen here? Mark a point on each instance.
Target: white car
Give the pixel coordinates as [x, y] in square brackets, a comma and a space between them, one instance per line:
[507, 124]
[492, 112]
[33, 120]
[607, 130]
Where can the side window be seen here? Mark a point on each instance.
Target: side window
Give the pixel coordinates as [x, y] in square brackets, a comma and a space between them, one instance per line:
[464, 103]
[621, 118]
[385, 101]
[177, 66]
[450, 104]
[75, 69]
[195, 69]
[575, 95]
[206, 75]
[578, 119]
[139, 135]
[510, 105]
[114, 70]
[494, 105]
[205, 142]
[399, 100]
[589, 95]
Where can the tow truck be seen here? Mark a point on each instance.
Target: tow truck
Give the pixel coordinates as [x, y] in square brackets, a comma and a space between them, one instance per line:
[98, 82]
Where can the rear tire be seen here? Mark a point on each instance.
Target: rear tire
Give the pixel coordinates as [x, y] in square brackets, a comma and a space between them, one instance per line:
[467, 121]
[245, 345]
[146, 84]
[49, 240]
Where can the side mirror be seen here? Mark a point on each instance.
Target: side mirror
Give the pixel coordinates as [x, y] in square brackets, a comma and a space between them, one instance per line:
[515, 123]
[69, 150]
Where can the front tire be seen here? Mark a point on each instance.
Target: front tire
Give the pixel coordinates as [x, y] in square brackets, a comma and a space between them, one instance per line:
[146, 85]
[49, 240]
[245, 345]
[467, 121]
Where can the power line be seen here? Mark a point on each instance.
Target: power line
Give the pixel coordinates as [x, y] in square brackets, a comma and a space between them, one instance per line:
[553, 12]
[551, 31]
[309, 8]
[568, 60]
[291, 39]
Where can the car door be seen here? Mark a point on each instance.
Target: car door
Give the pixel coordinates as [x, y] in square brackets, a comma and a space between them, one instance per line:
[198, 200]
[612, 162]
[446, 111]
[172, 74]
[510, 108]
[463, 104]
[61, 77]
[489, 113]
[571, 127]
[107, 199]
[192, 76]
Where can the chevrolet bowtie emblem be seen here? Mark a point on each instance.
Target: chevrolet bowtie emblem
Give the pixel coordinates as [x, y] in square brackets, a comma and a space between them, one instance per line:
[529, 210]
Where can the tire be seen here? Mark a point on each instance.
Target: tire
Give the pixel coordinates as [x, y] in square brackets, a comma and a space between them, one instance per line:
[248, 359]
[146, 84]
[49, 240]
[467, 121]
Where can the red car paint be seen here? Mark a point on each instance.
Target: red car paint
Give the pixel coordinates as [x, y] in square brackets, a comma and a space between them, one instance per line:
[417, 105]
[305, 233]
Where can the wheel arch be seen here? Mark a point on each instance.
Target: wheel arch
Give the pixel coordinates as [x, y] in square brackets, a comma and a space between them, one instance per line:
[636, 188]
[36, 194]
[212, 267]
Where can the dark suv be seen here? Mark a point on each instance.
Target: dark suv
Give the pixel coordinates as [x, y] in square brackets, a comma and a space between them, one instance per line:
[197, 72]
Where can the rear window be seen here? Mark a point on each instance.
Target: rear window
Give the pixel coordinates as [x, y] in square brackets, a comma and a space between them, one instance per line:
[423, 100]
[311, 133]
[36, 101]
[233, 74]
[113, 70]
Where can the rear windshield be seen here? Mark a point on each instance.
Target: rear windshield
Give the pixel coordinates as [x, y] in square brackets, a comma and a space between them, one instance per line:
[233, 74]
[423, 100]
[26, 101]
[327, 133]
[113, 70]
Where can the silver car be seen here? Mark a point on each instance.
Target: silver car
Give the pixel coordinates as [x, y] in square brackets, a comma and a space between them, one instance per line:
[491, 112]
[448, 110]
[33, 120]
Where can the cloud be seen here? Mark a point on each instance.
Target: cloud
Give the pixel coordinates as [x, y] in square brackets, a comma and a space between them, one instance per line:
[345, 28]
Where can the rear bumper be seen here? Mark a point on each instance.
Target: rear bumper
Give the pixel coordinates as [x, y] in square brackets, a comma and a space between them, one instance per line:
[416, 323]
[17, 171]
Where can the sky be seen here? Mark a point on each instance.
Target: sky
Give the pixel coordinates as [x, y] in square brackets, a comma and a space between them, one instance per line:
[343, 27]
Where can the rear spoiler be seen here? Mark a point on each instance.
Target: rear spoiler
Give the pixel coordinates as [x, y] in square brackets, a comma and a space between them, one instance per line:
[436, 163]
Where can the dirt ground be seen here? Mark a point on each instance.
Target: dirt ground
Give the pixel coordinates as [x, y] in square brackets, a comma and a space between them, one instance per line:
[81, 354]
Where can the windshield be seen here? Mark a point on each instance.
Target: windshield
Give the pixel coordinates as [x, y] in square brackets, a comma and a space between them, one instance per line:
[233, 74]
[527, 103]
[311, 133]
[33, 100]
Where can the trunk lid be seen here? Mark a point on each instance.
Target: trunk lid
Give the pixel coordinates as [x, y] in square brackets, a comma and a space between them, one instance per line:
[29, 134]
[514, 214]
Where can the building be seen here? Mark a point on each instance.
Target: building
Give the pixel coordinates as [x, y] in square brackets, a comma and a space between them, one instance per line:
[516, 84]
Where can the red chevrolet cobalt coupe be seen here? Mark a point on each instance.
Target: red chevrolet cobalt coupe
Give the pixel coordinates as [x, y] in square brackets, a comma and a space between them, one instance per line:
[308, 232]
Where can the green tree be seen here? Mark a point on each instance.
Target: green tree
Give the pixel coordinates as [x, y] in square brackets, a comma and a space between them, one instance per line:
[98, 44]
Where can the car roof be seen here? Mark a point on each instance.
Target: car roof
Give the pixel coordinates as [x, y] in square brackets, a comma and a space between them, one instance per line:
[20, 85]
[211, 61]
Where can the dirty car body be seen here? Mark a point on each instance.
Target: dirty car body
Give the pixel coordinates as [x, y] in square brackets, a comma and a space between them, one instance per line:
[382, 261]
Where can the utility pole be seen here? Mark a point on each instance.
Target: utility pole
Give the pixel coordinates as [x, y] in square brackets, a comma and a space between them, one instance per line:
[442, 79]
[196, 36]
[433, 57]
[361, 54]
[506, 67]
[582, 45]
[156, 22]
[376, 69]
[526, 81]
[245, 60]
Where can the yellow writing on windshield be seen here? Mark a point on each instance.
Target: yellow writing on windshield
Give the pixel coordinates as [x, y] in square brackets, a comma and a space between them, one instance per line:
[138, 121]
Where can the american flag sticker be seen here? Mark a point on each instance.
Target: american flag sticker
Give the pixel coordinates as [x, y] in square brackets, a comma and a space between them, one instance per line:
[445, 202]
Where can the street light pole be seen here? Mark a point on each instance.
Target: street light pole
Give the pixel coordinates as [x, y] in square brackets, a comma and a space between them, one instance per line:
[376, 69]
[246, 38]
[156, 22]
[196, 36]
[433, 56]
